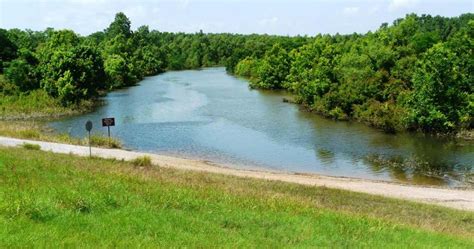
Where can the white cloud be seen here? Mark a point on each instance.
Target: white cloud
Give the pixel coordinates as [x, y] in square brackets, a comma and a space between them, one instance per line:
[351, 10]
[88, 1]
[282, 17]
[184, 3]
[400, 4]
[268, 21]
[374, 9]
[155, 10]
[136, 11]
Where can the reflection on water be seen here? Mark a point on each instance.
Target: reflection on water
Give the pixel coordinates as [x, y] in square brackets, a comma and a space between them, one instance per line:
[417, 170]
[211, 115]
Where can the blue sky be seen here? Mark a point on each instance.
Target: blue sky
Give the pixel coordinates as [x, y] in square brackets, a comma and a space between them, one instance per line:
[284, 17]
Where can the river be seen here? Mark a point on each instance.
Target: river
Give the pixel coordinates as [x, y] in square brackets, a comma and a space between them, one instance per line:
[210, 115]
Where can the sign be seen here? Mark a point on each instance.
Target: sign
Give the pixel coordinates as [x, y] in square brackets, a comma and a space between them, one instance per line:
[108, 122]
[89, 126]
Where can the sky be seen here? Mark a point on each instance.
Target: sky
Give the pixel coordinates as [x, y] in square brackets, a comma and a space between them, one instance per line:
[282, 17]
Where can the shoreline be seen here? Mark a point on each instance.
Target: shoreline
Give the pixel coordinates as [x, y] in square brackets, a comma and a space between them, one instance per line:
[462, 199]
[267, 169]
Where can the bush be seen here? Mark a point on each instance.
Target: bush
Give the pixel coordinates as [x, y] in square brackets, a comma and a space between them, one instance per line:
[29, 134]
[37, 104]
[386, 116]
[248, 67]
[29, 146]
[20, 73]
[338, 114]
[143, 161]
[104, 141]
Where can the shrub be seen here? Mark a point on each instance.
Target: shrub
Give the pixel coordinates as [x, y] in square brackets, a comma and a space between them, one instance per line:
[104, 141]
[143, 161]
[385, 116]
[29, 146]
[338, 114]
[29, 134]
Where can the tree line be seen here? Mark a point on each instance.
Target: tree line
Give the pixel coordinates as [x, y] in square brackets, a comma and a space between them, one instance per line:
[414, 74]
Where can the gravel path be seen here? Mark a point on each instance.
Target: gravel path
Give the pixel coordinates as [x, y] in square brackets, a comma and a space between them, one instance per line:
[454, 198]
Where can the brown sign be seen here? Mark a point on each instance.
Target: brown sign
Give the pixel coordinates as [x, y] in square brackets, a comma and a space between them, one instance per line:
[108, 122]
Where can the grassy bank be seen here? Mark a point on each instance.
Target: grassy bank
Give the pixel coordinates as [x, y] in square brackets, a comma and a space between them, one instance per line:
[21, 116]
[36, 130]
[60, 200]
[38, 104]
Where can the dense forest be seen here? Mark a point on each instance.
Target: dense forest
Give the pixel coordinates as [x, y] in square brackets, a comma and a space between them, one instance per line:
[415, 74]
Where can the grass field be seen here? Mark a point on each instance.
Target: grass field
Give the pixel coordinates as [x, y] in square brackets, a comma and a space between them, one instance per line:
[51, 200]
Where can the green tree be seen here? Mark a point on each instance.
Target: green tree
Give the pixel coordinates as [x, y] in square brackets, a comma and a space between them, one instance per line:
[441, 91]
[120, 26]
[151, 59]
[276, 67]
[7, 49]
[23, 71]
[117, 71]
[70, 70]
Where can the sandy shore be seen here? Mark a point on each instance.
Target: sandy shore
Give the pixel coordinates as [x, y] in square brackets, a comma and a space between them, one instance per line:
[454, 198]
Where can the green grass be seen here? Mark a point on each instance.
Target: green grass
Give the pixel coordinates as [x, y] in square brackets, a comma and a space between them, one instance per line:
[144, 161]
[51, 200]
[103, 141]
[29, 146]
[37, 104]
[36, 130]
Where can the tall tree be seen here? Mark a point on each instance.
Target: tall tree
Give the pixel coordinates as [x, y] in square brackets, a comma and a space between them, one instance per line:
[70, 70]
[120, 26]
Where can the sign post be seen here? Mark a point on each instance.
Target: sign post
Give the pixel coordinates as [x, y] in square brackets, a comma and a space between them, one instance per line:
[89, 128]
[108, 122]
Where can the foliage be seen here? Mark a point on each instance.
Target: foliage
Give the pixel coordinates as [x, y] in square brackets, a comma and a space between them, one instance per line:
[104, 141]
[22, 71]
[120, 26]
[30, 146]
[248, 67]
[274, 68]
[37, 104]
[415, 74]
[144, 161]
[69, 70]
[440, 95]
[7, 49]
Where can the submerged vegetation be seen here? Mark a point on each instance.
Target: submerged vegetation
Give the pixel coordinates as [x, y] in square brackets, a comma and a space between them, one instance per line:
[415, 74]
[55, 200]
[416, 170]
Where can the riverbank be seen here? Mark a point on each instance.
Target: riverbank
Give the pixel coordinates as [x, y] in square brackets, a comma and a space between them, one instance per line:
[291, 98]
[453, 198]
[36, 130]
[59, 200]
[37, 105]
